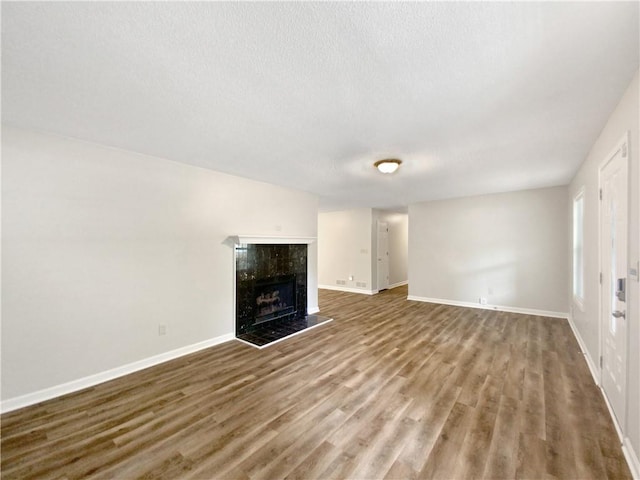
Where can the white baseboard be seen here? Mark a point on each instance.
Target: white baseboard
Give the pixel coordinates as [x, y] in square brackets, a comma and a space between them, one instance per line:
[348, 289]
[360, 290]
[632, 458]
[499, 308]
[92, 380]
[629, 454]
[312, 310]
[612, 415]
[625, 443]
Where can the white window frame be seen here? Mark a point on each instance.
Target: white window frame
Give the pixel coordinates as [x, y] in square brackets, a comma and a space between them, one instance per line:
[577, 248]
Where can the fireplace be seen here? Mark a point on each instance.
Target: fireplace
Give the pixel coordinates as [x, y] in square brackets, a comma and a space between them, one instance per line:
[271, 289]
[271, 285]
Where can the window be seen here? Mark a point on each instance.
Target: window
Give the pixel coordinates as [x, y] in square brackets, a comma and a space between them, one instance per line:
[578, 247]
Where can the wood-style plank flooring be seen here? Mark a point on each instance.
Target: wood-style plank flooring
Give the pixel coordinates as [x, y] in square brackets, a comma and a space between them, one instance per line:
[390, 389]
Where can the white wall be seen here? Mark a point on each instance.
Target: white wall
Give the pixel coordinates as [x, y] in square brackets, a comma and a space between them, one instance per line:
[345, 249]
[510, 248]
[100, 246]
[398, 246]
[625, 118]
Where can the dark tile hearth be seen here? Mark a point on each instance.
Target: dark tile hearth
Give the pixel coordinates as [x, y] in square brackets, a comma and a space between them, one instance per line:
[275, 330]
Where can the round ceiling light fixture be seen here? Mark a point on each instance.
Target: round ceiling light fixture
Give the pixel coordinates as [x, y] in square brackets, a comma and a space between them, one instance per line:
[388, 165]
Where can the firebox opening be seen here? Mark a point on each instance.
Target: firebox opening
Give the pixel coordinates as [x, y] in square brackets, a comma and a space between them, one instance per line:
[275, 298]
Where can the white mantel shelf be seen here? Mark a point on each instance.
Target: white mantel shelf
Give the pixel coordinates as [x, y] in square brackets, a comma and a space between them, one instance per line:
[263, 239]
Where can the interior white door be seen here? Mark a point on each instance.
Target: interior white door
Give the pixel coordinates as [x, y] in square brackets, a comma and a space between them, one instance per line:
[383, 255]
[613, 291]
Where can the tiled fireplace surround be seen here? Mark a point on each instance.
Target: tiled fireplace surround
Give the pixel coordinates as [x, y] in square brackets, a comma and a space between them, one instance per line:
[271, 288]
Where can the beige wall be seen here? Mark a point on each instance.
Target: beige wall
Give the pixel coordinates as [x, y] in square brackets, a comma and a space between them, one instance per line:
[625, 118]
[510, 248]
[100, 246]
[345, 249]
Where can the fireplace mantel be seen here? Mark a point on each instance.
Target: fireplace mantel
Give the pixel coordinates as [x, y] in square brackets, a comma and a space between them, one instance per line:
[264, 239]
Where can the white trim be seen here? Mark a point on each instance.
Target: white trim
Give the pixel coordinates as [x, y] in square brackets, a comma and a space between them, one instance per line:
[260, 347]
[499, 308]
[625, 442]
[348, 289]
[627, 449]
[92, 380]
[595, 373]
[579, 303]
[632, 458]
[266, 239]
[578, 299]
[602, 323]
[359, 290]
[312, 310]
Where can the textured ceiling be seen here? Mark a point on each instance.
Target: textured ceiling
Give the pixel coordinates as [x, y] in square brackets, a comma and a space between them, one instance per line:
[474, 97]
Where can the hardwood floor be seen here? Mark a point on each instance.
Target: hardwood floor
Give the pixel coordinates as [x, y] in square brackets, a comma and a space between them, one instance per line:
[389, 389]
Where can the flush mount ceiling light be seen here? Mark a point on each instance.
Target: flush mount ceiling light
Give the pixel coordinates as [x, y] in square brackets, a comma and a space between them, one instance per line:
[388, 165]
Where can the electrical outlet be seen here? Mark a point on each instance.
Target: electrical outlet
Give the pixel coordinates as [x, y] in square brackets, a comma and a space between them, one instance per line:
[483, 300]
[351, 278]
[162, 329]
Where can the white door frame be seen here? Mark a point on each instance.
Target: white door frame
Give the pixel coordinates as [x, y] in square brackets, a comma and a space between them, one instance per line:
[621, 145]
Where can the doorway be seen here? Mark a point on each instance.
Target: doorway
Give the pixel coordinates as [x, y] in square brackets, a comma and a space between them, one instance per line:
[613, 227]
[383, 256]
